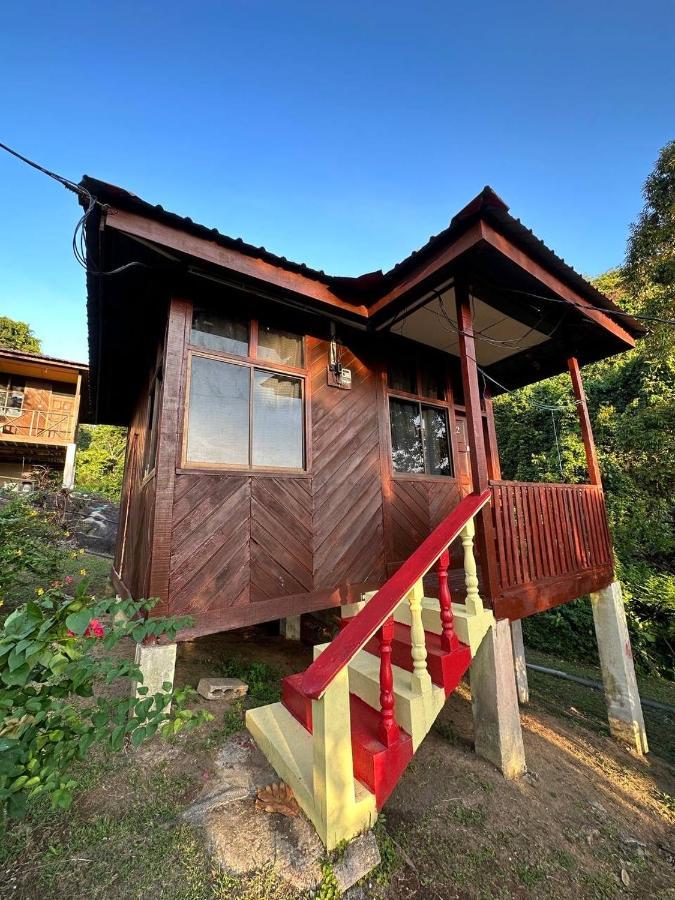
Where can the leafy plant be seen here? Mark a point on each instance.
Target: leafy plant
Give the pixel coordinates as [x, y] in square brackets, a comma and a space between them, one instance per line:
[101, 451]
[54, 656]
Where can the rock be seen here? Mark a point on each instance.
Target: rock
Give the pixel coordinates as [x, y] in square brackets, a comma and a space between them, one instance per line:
[221, 688]
[625, 877]
[359, 859]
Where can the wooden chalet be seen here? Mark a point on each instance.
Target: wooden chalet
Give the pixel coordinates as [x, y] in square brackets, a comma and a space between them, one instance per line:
[40, 399]
[300, 441]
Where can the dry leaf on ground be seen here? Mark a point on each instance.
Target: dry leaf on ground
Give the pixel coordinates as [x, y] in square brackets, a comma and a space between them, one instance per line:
[277, 798]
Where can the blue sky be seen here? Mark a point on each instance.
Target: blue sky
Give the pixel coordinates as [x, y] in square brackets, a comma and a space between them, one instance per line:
[337, 134]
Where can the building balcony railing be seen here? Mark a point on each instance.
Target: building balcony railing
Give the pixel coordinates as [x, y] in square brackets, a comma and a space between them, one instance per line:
[36, 427]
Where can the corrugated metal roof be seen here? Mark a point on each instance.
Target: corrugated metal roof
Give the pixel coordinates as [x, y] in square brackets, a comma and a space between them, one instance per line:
[371, 286]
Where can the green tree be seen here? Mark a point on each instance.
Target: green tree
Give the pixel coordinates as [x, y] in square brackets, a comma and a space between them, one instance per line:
[632, 404]
[100, 459]
[18, 336]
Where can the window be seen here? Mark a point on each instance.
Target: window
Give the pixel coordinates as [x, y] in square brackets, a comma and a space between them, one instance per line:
[246, 412]
[12, 392]
[420, 441]
[217, 332]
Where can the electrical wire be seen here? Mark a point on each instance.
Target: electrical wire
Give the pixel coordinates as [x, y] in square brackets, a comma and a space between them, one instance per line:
[79, 236]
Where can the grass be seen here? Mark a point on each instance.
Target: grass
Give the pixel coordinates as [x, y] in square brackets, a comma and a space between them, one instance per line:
[586, 706]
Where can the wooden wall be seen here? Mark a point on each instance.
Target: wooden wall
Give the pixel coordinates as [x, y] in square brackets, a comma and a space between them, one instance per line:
[233, 549]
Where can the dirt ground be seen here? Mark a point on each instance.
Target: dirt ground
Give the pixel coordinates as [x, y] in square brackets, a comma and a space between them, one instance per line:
[590, 820]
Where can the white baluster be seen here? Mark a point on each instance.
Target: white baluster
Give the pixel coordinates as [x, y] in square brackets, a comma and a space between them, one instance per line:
[421, 680]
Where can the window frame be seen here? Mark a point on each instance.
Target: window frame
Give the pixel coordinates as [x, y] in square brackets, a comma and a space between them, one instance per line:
[447, 404]
[9, 387]
[253, 363]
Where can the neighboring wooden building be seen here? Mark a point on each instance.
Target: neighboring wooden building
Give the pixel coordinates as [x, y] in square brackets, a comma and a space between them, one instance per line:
[299, 441]
[40, 400]
[257, 489]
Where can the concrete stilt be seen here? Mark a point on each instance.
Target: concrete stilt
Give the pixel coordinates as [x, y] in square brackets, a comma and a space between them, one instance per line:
[68, 481]
[157, 663]
[290, 628]
[519, 664]
[496, 719]
[624, 711]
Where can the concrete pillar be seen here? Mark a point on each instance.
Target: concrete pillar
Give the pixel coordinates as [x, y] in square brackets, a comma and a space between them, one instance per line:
[624, 711]
[519, 664]
[157, 663]
[496, 718]
[290, 628]
[69, 467]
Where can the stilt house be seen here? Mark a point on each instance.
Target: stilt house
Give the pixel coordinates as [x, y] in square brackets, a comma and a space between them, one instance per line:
[300, 441]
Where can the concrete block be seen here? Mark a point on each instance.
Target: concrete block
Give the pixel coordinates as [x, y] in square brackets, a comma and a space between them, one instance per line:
[221, 688]
[624, 710]
[290, 628]
[157, 663]
[360, 858]
[497, 733]
[519, 663]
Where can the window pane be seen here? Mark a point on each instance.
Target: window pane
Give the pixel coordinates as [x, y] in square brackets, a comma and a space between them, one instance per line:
[402, 376]
[280, 346]
[406, 436]
[436, 449]
[277, 421]
[218, 412]
[218, 332]
[432, 385]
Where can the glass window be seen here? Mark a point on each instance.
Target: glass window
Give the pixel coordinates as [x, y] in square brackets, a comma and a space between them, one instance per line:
[280, 346]
[152, 426]
[406, 436]
[12, 392]
[419, 438]
[215, 331]
[277, 421]
[218, 412]
[437, 460]
[402, 376]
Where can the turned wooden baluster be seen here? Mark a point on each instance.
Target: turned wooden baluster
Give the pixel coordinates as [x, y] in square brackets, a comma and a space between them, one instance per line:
[421, 680]
[473, 602]
[449, 640]
[389, 731]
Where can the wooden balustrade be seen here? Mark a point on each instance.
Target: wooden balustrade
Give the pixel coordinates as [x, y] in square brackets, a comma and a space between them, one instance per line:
[421, 679]
[548, 531]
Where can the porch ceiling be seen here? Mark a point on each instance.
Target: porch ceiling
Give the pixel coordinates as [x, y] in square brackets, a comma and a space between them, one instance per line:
[498, 336]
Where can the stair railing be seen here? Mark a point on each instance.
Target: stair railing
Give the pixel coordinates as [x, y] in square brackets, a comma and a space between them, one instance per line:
[326, 681]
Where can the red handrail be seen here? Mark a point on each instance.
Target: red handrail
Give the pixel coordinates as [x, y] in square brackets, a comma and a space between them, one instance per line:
[363, 626]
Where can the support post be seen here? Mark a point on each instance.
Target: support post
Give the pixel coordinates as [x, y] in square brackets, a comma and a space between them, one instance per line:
[157, 663]
[69, 468]
[290, 628]
[585, 421]
[476, 436]
[624, 711]
[519, 663]
[496, 719]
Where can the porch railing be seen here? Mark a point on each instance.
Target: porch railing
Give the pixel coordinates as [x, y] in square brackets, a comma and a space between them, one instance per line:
[548, 531]
[39, 425]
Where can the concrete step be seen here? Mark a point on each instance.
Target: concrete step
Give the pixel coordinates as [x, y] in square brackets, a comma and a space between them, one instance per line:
[470, 629]
[415, 712]
[289, 749]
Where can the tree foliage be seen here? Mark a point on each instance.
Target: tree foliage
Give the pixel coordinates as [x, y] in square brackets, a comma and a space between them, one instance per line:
[100, 459]
[631, 400]
[17, 335]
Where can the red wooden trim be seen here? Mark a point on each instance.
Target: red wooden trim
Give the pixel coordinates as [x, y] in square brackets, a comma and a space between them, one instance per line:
[352, 638]
[585, 422]
[474, 422]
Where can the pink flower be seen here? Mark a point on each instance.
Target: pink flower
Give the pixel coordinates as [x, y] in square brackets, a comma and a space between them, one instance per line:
[68, 579]
[94, 629]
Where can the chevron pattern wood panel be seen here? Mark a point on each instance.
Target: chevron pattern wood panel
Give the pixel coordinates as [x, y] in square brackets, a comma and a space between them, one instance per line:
[210, 551]
[281, 537]
[347, 529]
[416, 507]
